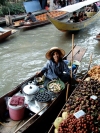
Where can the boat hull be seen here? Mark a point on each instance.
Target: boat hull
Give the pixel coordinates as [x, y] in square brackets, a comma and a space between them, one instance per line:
[5, 35]
[65, 26]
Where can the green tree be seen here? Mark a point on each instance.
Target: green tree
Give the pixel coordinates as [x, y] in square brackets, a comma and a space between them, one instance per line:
[3, 2]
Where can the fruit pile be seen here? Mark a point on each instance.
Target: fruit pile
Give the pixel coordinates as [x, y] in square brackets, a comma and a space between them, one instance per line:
[86, 97]
[84, 124]
[94, 72]
[42, 17]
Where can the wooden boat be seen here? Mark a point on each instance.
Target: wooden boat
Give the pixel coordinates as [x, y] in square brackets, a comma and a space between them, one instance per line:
[41, 20]
[80, 97]
[34, 121]
[4, 33]
[72, 26]
[97, 37]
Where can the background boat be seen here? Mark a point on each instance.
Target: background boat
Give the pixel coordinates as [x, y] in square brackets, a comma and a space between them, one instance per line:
[41, 20]
[71, 26]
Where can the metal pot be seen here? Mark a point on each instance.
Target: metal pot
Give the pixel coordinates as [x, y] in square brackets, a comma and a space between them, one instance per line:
[30, 91]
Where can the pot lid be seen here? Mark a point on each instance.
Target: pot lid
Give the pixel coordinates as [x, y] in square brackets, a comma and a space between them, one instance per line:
[43, 97]
[30, 89]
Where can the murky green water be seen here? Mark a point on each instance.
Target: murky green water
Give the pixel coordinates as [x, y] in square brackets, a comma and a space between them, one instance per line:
[23, 54]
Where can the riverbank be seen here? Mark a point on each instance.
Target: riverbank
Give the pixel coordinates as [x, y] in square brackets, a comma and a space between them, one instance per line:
[18, 17]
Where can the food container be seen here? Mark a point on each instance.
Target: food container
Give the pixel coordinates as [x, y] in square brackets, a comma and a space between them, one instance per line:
[30, 91]
[55, 86]
[42, 99]
[16, 112]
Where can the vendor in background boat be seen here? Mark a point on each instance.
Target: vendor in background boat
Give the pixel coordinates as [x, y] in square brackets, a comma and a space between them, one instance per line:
[74, 18]
[30, 17]
[80, 16]
[56, 67]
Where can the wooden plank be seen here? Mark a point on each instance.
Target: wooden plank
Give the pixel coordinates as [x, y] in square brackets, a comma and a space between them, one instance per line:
[75, 50]
[78, 53]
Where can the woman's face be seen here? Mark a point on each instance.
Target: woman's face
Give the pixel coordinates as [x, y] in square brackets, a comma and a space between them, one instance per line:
[56, 56]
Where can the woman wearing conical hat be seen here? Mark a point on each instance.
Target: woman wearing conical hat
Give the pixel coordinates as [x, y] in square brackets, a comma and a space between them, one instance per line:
[55, 67]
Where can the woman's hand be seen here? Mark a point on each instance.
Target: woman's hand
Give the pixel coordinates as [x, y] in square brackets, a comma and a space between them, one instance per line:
[38, 73]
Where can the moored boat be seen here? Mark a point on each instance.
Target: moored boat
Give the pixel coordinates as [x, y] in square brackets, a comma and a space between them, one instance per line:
[75, 26]
[4, 33]
[80, 112]
[41, 20]
[34, 120]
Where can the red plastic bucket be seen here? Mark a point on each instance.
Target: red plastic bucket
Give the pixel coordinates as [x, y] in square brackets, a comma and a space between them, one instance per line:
[16, 112]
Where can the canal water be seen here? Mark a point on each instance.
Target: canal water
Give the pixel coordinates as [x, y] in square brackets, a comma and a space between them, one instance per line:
[23, 54]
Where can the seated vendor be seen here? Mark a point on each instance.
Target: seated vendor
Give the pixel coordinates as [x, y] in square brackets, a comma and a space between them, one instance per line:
[30, 17]
[56, 67]
[74, 18]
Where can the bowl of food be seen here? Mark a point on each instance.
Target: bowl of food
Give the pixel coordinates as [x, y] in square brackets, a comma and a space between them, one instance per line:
[55, 86]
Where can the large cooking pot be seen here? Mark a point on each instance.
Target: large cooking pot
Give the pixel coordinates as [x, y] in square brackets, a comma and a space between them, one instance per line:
[29, 91]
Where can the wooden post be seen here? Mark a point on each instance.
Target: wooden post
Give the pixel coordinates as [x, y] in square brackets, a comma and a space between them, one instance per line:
[67, 92]
[90, 61]
[72, 54]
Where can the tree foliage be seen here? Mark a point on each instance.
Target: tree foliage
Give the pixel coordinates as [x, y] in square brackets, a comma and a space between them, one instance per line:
[12, 8]
[2, 2]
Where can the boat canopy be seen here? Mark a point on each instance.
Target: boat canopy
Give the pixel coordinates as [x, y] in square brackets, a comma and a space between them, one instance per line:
[75, 7]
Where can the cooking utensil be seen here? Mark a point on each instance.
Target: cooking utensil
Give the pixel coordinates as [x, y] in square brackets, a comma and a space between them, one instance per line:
[30, 91]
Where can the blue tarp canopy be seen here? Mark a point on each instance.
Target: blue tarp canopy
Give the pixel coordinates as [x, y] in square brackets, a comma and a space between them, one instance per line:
[32, 6]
